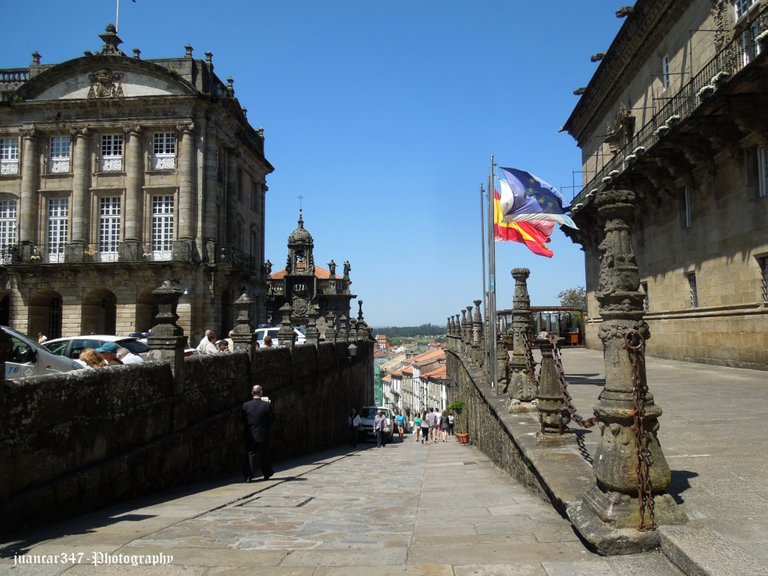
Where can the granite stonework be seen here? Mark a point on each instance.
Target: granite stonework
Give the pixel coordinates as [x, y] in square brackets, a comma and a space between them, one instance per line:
[74, 442]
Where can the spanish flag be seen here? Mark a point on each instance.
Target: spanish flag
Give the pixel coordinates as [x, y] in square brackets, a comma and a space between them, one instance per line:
[533, 233]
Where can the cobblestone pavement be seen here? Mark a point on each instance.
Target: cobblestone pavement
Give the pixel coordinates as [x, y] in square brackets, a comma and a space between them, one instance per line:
[407, 508]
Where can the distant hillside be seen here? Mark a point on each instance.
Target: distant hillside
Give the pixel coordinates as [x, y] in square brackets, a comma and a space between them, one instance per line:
[411, 331]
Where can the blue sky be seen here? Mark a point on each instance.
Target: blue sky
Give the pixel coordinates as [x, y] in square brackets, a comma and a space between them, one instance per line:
[383, 116]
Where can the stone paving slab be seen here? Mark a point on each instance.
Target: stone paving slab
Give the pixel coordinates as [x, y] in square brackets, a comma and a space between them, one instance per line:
[407, 509]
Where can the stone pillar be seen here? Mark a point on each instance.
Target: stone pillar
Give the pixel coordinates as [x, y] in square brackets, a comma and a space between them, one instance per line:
[463, 330]
[630, 468]
[81, 176]
[134, 199]
[468, 334]
[477, 325]
[243, 338]
[187, 187]
[167, 341]
[524, 387]
[330, 328]
[30, 182]
[285, 335]
[313, 334]
[342, 335]
[553, 411]
[477, 334]
[363, 331]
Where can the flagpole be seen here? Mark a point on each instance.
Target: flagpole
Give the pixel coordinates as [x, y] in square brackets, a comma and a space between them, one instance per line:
[482, 250]
[117, 18]
[492, 283]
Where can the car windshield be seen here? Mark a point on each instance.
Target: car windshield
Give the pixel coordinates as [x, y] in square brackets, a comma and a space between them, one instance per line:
[370, 412]
[133, 346]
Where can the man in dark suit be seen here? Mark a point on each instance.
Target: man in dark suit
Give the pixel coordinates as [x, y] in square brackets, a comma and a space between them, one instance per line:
[257, 417]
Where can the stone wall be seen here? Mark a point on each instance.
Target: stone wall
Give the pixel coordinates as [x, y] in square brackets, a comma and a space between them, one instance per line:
[72, 442]
[483, 418]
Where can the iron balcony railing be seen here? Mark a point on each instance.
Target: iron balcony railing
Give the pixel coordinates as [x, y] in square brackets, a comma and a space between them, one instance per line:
[732, 58]
[79, 253]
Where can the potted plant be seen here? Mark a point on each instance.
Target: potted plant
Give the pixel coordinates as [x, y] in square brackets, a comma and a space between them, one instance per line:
[456, 405]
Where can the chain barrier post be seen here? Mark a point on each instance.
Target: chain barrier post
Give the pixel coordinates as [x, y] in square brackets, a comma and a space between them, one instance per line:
[522, 378]
[611, 512]
[553, 412]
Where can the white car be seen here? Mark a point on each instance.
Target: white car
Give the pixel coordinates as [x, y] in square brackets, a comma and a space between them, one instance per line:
[28, 358]
[301, 338]
[368, 415]
[71, 346]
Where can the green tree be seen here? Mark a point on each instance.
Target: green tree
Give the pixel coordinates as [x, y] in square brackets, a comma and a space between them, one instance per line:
[573, 297]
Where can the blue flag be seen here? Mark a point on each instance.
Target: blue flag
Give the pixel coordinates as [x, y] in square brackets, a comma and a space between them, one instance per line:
[527, 197]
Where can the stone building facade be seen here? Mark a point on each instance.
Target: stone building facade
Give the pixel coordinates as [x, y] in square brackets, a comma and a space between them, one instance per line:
[303, 285]
[676, 113]
[117, 174]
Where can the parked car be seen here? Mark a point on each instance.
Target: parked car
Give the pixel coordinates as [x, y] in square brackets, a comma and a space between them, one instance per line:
[28, 358]
[301, 338]
[72, 346]
[367, 415]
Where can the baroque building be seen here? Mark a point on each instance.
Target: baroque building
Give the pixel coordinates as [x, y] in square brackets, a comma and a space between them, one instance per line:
[117, 174]
[306, 287]
[675, 112]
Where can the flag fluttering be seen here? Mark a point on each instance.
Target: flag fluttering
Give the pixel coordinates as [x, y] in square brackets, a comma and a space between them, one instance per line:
[527, 198]
[534, 234]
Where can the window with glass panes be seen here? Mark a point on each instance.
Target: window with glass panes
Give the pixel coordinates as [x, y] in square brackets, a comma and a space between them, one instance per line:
[112, 152]
[687, 207]
[58, 228]
[9, 156]
[763, 261]
[164, 150]
[109, 227]
[59, 154]
[162, 226]
[742, 7]
[693, 290]
[762, 171]
[7, 229]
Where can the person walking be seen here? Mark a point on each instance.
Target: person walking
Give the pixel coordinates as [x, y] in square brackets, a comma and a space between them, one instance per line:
[127, 357]
[417, 426]
[89, 358]
[400, 420]
[451, 421]
[207, 343]
[425, 427]
[434, 425]
[108, 351]
[257, 416]
[353, 424]
[444, 426]
[379, 423]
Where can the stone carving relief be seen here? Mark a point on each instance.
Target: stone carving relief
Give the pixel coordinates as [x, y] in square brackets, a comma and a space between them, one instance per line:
[105, 84]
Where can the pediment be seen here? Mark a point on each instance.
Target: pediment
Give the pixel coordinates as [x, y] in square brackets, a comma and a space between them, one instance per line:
[104, 78]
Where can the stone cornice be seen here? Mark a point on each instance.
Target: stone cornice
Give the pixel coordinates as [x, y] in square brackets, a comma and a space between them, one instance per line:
[649, 23]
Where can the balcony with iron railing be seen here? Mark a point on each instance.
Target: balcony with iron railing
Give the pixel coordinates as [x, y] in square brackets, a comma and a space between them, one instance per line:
[731, 59]
[178, 251]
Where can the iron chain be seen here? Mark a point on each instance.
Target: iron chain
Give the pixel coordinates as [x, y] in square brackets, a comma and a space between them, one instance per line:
[635, 344]
[584, 423]
[530, 364]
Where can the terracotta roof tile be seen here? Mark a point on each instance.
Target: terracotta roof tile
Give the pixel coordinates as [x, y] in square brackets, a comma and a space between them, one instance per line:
[320, 274]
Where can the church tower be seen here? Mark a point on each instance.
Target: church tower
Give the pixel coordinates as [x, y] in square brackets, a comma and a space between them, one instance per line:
[303, 284]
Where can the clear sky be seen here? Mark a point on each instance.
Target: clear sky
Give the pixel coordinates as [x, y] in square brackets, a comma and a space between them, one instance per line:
[383, 116]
